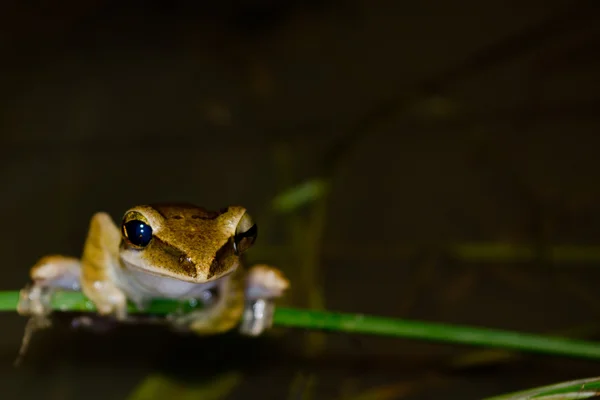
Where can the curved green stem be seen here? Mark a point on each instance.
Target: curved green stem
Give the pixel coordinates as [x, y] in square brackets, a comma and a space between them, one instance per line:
[364, 324]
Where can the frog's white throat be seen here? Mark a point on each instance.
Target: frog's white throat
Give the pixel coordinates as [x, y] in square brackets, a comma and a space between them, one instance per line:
[155, 285]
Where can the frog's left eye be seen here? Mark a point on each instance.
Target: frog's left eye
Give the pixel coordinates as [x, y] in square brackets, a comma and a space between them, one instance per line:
[137, 233]
[245, 234]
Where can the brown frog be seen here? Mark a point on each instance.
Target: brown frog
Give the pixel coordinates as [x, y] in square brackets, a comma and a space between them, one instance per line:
[175, 251]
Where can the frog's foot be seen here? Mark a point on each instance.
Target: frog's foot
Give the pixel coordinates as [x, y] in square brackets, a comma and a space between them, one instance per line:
[222, 310]
[108, 299]
[48, 274]
[265, 282]
[34, 300]
[212, 320]
[34, 324]
[263, 285]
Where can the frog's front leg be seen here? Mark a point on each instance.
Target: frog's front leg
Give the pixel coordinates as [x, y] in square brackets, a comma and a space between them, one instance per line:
[247, 301]
[48, 274]
[264, 284]
[222, 312]
[100, 266]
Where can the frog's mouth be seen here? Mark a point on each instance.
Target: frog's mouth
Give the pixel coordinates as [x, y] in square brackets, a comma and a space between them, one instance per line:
[158, 284]
[175, 273]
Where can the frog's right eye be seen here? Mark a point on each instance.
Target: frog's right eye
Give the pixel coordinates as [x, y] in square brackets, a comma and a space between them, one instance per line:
[137, 232]
[245, 234]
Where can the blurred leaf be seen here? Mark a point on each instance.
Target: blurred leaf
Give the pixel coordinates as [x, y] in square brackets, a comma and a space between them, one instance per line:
[474, 252]
[578, 389]
[483, 358]
[300, 195]
[303, 387]
[394, 391]
[161, 387]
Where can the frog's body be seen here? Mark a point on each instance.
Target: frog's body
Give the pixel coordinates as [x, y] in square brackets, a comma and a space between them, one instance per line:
[164, 251]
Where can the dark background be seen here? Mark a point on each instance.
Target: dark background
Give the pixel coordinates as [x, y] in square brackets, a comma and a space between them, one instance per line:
[439, 122]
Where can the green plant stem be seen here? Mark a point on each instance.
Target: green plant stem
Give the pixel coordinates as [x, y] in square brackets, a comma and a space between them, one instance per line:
[467, 335]
[357, 323]
[577, 389]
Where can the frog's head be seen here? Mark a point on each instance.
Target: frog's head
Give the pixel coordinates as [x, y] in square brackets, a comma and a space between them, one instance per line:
[185, 242]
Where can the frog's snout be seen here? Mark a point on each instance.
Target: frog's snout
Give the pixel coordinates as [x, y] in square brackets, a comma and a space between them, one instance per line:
[188, 265]
[186, 261]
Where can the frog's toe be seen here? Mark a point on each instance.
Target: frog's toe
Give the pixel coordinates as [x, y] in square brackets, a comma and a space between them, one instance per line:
[118, 311]
[257, 317]
[111, 301]
[34, 300]
[264, 281]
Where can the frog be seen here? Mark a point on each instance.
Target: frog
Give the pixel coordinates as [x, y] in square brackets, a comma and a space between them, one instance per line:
[177, 251]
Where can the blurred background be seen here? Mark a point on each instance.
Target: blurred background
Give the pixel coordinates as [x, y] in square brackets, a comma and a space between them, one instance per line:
[451, 155]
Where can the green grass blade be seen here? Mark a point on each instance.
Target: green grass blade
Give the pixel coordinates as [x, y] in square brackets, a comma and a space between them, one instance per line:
[578, 389]
[363, 324]
[161, 387]
[297, 196]
[467, 335]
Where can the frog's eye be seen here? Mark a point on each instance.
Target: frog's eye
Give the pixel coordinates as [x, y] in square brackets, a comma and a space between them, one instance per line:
[138, 233]
[245, 234]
